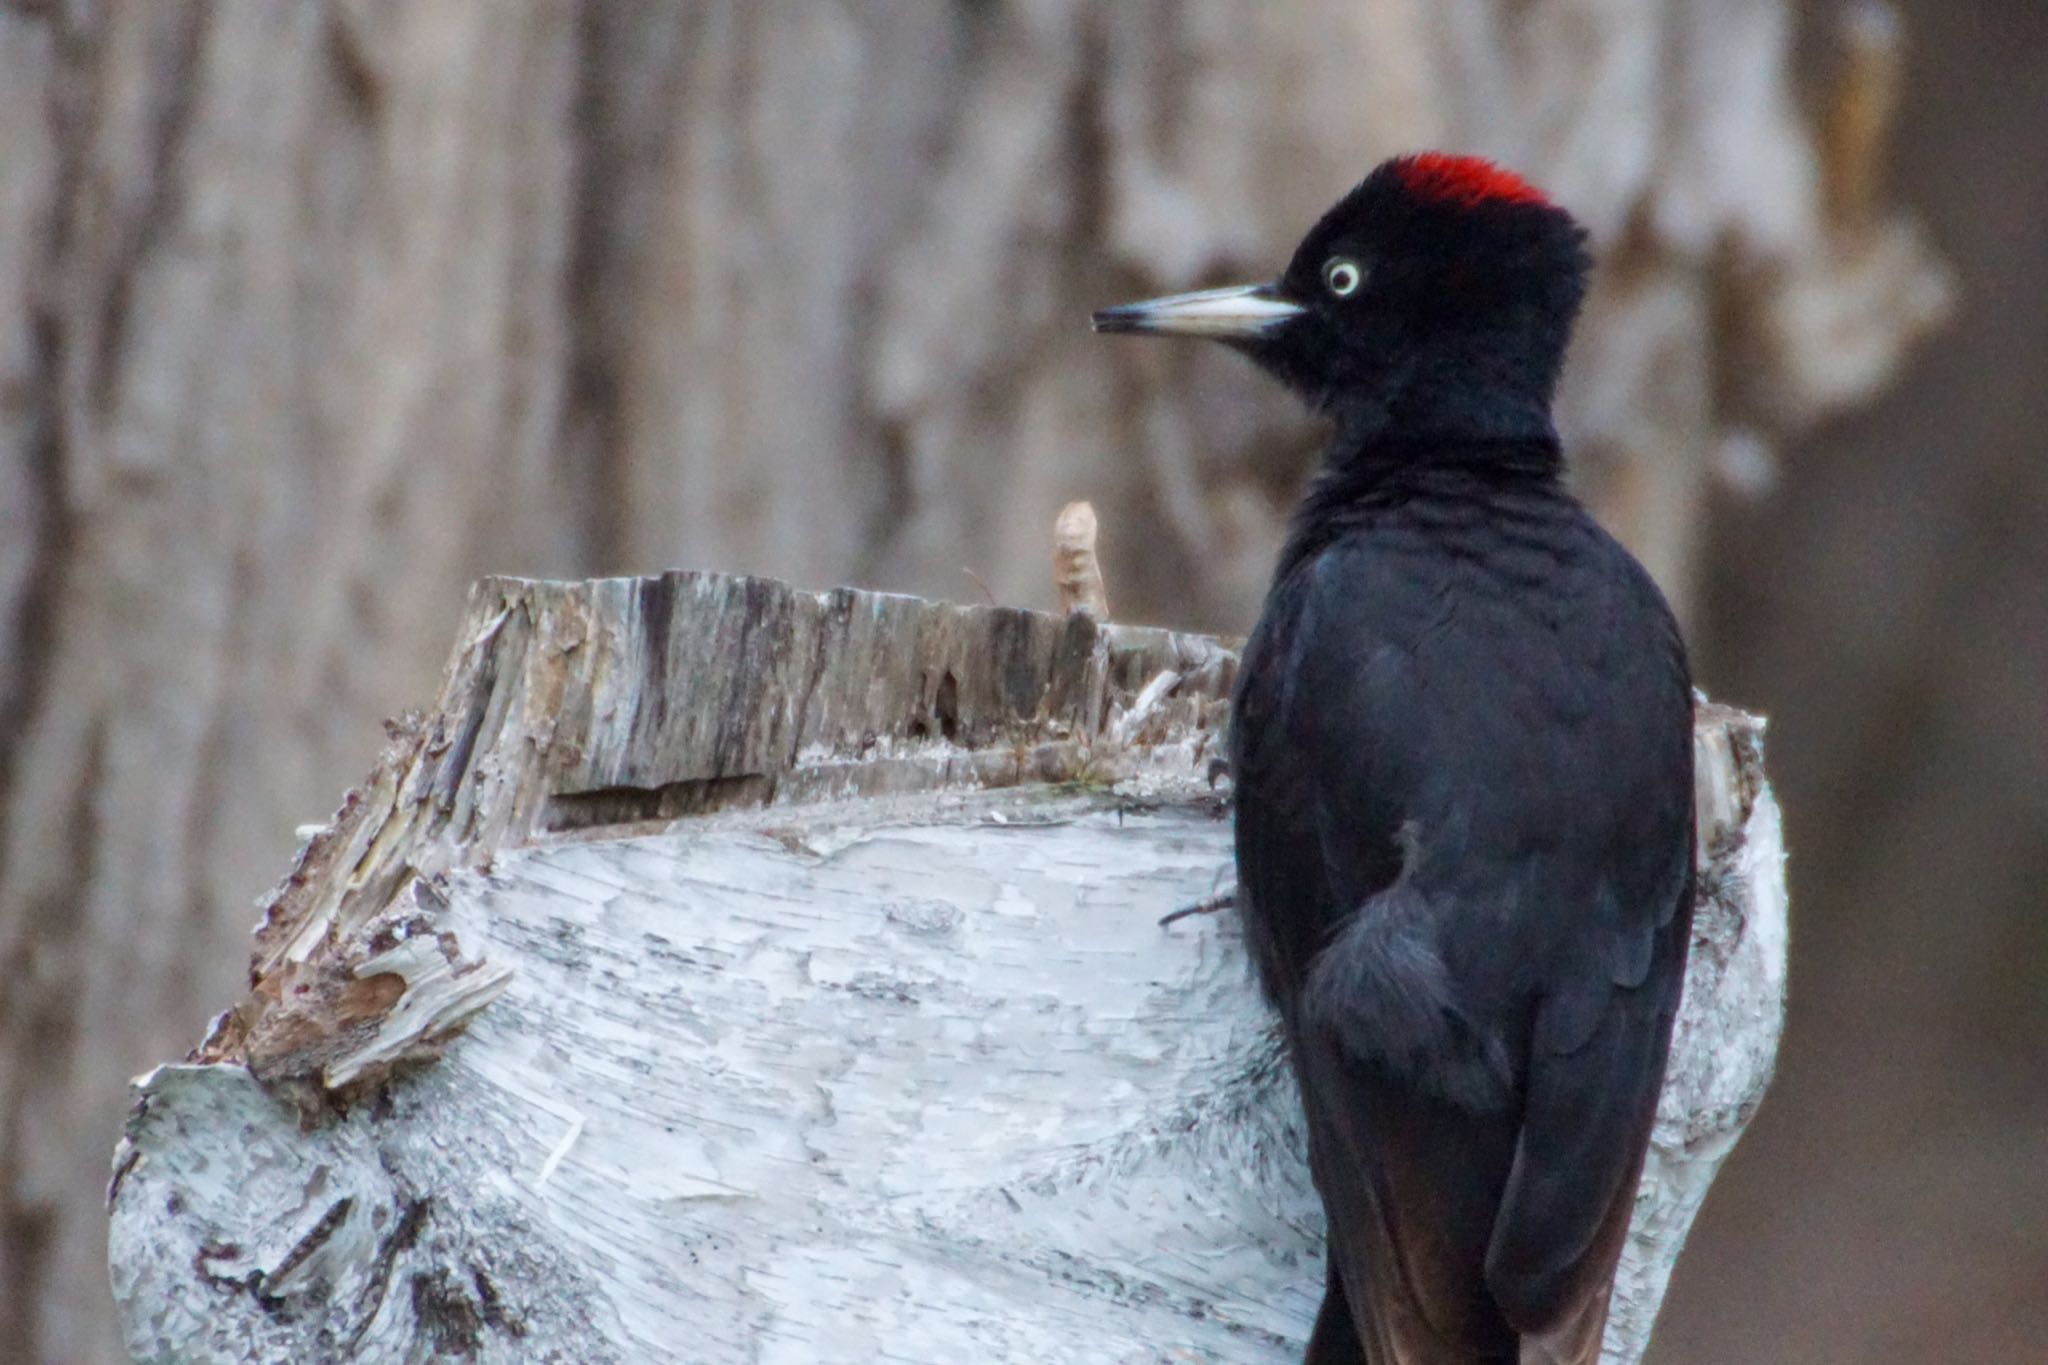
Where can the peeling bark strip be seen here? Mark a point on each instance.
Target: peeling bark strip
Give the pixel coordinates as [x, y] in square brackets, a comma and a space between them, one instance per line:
[879, 1048]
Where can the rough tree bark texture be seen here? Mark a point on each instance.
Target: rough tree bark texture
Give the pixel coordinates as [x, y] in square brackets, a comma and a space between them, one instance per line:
[310, 312]
[878, 1052]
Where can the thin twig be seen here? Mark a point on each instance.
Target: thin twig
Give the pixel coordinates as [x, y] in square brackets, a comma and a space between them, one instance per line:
[1209, 905]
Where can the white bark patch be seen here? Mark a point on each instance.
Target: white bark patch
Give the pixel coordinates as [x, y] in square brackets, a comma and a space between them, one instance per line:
[942, 1092]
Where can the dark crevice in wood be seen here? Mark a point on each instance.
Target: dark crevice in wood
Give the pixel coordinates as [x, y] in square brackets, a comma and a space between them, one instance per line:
[946, 706]
[655, 608]
[765, 614]
[454, 765]
[492, 1307]
[565, 812]
[410, 1223]
[449, 1319]
[315, 1238]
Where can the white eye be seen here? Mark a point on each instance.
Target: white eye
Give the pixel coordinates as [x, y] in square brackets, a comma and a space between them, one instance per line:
[1342, 277]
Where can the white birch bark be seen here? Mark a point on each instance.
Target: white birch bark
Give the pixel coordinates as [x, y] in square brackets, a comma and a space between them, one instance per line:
[879, 1054]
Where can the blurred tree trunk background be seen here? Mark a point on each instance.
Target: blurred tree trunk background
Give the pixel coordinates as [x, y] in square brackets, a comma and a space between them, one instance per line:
[1889, 607]
[312, 310]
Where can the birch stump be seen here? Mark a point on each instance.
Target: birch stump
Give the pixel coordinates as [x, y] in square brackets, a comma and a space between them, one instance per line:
[723, 972]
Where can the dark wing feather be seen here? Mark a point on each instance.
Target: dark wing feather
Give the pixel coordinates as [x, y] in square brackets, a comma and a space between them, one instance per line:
[1608, 999]
[1290, 902]
[1324, 737]
[1410, 1183]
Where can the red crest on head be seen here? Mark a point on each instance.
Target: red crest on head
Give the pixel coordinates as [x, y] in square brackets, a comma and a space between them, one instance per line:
[1463, 180]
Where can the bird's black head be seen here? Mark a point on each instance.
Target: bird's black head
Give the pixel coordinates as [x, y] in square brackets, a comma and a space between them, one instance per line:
[1434, 301]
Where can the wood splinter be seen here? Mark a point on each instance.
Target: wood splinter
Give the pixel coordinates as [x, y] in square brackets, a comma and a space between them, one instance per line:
[1076, 572]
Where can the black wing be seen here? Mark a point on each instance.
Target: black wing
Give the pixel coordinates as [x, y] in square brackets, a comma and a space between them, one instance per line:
[1609, 994]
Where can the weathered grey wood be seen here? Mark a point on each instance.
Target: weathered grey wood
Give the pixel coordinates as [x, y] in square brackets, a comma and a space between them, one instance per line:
[629, 702]
[858, 1055]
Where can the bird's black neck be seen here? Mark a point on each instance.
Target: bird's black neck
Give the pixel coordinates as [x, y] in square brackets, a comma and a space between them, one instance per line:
[1477, 390]
[1360, 478]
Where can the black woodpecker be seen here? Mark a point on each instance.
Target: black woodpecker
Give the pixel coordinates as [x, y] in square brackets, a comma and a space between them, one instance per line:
[1462, 749]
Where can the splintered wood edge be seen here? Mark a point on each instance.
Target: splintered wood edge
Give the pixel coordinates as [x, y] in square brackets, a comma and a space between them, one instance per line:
[584, 709]
[619, 706]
